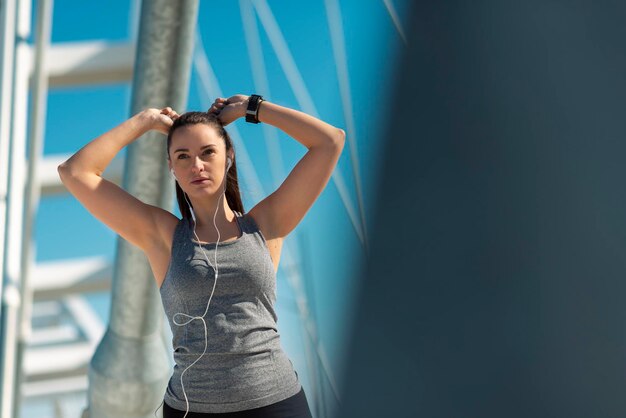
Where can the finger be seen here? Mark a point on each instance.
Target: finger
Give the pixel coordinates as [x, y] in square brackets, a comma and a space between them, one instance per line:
[167, 121]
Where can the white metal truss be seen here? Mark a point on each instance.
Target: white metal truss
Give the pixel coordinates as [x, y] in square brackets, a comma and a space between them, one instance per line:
[70, 343]
[51, 183]
[90, 62]
[7, 52]
[15, 151]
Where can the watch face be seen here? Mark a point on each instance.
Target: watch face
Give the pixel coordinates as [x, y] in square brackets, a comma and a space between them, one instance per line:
[253, 107]
[252, 102]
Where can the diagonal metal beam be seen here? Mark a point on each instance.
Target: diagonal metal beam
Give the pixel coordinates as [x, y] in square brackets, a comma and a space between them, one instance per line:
[333, 14]
[394, 17]
[261, 83]
[279, 44]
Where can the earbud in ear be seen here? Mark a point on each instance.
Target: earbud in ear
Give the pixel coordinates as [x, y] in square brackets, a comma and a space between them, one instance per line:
[172, 172]
[229, 162]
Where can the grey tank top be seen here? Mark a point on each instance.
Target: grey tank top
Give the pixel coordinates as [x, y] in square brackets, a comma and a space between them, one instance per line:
[244, 366]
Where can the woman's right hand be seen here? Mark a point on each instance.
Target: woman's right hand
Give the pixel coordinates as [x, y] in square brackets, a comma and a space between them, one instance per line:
[158, 119]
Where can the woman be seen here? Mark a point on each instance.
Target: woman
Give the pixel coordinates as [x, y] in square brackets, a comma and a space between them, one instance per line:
[228, 358]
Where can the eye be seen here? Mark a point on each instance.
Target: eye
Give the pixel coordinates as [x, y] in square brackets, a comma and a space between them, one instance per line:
[181, 156]
[209, 151]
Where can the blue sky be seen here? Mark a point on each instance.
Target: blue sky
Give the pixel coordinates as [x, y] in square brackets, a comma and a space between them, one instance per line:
[76, 115]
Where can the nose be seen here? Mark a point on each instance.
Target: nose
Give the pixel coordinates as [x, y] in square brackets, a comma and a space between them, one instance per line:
[198, 165]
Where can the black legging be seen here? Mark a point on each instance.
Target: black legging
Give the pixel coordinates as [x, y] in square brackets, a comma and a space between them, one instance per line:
[295, 406]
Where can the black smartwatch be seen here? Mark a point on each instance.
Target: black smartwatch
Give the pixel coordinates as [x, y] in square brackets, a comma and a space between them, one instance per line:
[252, 112]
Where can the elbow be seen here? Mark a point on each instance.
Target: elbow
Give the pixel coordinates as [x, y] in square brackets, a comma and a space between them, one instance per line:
[65, 171]
[62, 169]
[340, 138]
[69, 171]
[332, 140]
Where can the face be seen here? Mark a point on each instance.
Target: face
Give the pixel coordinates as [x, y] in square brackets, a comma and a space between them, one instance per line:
[198, 158]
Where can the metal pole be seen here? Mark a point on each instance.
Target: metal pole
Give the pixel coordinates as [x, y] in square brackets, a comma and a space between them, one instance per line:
[130, 369]
[7, 47]
[7, 292]
[39, 90]
[17, 29]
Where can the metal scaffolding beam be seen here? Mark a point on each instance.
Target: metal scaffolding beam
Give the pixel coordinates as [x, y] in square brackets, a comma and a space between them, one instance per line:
[56, 279]
[15, 65]
[7, 47]
[51, 184]
[32, 192]
[91, 62]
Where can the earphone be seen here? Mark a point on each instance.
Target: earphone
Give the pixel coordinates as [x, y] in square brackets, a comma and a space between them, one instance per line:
[190, 318]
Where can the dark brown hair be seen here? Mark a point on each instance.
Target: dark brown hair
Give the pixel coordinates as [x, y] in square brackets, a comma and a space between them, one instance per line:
[233, 196]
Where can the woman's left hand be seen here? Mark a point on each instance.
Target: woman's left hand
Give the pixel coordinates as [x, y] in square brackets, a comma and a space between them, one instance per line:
[231, 109]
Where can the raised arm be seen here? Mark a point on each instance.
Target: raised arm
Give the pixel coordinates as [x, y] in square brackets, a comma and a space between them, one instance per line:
[81, 174]
[281, 211]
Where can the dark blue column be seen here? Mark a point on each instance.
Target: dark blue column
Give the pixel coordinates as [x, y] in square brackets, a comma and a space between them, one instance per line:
[496, 282]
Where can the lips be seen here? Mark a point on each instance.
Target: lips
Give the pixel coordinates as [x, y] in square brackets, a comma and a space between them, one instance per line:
[199, 180]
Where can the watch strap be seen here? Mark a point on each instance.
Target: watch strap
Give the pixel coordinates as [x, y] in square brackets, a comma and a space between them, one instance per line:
[252, 112]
